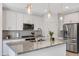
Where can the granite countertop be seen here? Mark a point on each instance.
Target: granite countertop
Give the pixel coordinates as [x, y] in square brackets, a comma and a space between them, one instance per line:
[28, 46]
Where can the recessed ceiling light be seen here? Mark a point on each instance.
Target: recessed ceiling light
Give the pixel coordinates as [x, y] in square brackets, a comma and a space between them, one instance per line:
[66, 7]
[61, 18]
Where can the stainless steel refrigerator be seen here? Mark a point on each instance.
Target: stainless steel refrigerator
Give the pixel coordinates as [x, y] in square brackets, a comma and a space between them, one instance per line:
[71, 35]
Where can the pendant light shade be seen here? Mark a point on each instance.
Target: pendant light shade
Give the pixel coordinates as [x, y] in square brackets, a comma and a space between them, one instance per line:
[49, 12]
[62, 13]
[29, 8]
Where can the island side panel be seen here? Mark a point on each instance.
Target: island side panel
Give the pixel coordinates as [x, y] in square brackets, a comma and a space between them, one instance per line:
[59, 50]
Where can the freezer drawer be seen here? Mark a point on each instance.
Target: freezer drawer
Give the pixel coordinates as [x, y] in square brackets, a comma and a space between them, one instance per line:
[71, 47]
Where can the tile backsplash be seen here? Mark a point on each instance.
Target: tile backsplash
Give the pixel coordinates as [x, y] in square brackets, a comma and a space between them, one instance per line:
[12, 34]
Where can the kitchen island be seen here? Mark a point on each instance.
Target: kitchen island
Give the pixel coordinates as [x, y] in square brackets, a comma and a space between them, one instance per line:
[40, 48]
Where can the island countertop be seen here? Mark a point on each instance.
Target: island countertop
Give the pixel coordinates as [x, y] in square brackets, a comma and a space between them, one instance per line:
[28, 46]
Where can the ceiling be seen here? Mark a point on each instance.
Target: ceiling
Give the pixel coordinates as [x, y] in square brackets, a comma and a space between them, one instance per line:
[41, 8]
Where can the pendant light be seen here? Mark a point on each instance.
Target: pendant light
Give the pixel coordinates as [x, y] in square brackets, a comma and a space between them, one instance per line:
[49, 11]
[62, 13]
[29, 8]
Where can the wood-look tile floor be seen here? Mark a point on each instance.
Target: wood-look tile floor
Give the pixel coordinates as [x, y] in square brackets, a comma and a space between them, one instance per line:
[71, 54]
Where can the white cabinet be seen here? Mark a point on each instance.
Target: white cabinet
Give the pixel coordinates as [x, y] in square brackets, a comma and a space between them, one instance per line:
[19, 21]
[25, 18]
[58, 50]
[4, 20]
[10, 20]
[28, 19]
[72, 18]
[5, 49]
[14, 20]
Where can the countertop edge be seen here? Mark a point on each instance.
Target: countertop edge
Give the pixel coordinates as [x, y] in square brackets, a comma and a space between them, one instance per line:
[41, 48]
[35, 49]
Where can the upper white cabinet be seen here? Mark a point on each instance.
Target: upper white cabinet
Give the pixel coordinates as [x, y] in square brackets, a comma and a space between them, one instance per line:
[72, 18]
[10, 18]
[31, 19]
[19, 21]
[13, 20]
[27, 19]
[4, 20]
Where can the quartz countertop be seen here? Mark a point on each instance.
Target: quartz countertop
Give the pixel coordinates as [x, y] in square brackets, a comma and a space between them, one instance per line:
[27, 46]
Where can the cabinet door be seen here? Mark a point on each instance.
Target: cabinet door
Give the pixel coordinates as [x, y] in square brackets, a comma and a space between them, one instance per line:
[4, 20]
[5, 49]
[67, 19]
[19, 21]
[27, 19]
[71, 18]
[10, 20]
[75, 17]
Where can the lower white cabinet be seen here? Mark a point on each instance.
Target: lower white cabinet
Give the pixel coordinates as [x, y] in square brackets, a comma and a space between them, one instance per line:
[5, 49]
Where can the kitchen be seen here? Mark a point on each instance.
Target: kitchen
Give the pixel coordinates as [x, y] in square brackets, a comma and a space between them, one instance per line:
[21, 29]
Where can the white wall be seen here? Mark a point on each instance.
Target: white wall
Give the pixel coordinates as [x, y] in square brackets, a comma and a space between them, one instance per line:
[0, 29]
[51, 24]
